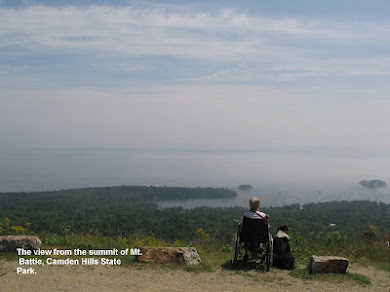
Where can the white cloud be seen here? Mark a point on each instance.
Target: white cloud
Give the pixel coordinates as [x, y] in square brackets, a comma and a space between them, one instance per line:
[220, 35]
[244, 48]
[308, 68]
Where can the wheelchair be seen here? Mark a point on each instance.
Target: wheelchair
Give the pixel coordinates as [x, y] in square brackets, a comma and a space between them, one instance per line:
[253, 235]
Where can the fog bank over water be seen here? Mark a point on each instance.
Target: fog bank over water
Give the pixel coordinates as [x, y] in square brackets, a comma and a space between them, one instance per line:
[292, 97]
[279, 177]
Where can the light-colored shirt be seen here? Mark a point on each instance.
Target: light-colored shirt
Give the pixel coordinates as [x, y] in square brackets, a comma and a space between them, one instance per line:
[255, 215]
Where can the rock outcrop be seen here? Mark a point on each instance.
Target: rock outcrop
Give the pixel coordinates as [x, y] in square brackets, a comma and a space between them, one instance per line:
[163, 255]
[327, 264]
[12, 242]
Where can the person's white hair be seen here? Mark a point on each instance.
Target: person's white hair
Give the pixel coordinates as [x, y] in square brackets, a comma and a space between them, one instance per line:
[254, 203]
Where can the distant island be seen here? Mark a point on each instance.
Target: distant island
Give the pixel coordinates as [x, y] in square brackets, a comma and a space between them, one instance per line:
[116, 195]
[373, 184]
[245, 187]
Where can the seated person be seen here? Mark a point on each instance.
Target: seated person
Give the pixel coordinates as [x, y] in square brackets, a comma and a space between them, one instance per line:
[253, 242]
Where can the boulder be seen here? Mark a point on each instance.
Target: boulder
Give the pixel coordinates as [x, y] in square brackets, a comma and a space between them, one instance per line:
[327, 264]
[12, 242]
[163, 255]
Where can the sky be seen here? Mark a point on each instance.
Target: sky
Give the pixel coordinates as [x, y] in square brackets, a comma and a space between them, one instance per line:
[277, 76]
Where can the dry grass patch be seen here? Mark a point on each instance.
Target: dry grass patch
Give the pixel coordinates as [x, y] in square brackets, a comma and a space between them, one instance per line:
[347, 278]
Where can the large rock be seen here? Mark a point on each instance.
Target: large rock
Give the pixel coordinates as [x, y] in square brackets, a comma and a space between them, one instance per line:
[328, 264]
[12, 242]
[163, 255]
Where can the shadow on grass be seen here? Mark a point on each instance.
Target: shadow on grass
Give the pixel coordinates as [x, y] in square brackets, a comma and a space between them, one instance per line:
[243, 266]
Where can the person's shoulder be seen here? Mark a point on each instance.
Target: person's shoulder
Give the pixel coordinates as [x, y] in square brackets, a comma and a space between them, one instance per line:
[248, 214]
[262, 214]
[254, 215]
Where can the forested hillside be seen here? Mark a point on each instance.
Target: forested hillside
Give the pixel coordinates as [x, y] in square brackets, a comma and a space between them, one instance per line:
[131, 210]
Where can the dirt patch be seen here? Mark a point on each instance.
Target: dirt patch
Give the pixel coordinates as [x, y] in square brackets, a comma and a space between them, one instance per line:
[160, 278]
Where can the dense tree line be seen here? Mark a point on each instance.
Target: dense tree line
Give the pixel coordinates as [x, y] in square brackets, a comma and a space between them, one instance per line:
[107, 197]
[131, 211]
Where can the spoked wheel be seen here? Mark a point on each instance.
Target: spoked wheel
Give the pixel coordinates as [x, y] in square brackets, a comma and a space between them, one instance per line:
[269, 253]
[236, 250]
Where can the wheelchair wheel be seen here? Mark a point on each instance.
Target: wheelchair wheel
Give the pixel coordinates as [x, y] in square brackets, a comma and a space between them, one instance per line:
[269, 253]
[236, 250]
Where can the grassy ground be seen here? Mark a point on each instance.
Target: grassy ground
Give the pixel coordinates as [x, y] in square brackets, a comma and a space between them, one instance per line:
[216, 256]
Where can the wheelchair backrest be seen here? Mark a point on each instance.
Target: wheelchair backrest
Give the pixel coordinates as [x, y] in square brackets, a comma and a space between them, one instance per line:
[254, 230]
